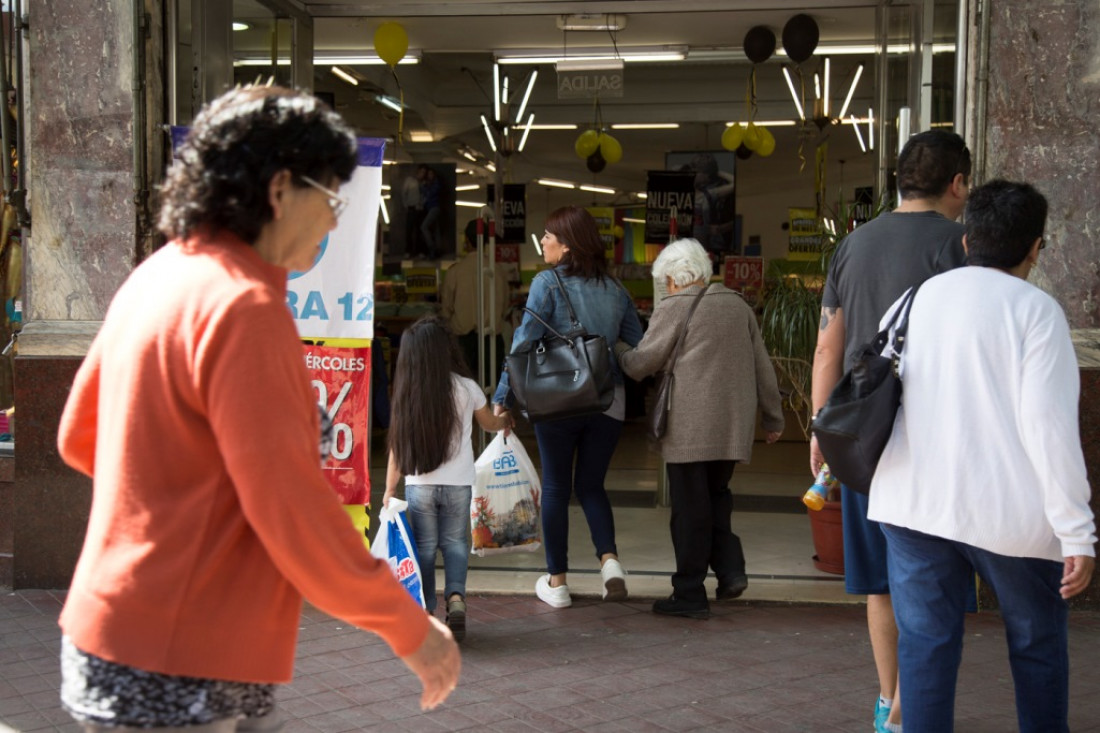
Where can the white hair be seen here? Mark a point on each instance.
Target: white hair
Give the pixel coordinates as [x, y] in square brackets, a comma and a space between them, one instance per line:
[684, 261]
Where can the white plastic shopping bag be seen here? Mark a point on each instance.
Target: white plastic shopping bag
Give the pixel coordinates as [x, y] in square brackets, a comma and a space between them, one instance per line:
[506, 507]
[394, 543]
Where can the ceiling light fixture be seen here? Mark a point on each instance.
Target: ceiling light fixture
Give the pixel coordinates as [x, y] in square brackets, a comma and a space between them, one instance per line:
[592, 22]
[469, 204]
[635, 55]
[646, 126]
[526, 132]
[489, 133]
[554, 183]
[794, 94]
[468, 187]
[506, 117]
[390, 102]
[535, 239]
[547, 127]
[420, 136]
[345, 76]
[764, 123]
[237, 25]
[597, 189]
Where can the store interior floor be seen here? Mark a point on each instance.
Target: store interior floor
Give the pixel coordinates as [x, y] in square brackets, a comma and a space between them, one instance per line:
[768, 516]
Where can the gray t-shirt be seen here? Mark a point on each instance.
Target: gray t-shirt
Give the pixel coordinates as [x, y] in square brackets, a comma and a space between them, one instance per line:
[882, 259]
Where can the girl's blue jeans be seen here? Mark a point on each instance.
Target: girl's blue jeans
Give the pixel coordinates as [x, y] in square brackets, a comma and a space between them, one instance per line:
[440, 518]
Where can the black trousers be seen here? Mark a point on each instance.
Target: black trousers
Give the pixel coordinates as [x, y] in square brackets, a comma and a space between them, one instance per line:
[700, 526]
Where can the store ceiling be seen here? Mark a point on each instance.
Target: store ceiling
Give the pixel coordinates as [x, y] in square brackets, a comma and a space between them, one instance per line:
[457, 41]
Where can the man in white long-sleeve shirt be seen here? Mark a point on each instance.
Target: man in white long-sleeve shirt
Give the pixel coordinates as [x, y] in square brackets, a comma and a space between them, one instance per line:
[984, 470]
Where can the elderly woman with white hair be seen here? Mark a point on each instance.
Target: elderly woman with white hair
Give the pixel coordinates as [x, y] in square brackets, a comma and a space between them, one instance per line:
[721, 375]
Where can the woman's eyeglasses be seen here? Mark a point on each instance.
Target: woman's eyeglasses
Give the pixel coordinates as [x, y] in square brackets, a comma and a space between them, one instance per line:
[335, 201]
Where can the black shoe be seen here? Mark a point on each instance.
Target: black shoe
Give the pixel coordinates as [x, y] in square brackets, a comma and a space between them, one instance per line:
[733, 589]
[673, 606]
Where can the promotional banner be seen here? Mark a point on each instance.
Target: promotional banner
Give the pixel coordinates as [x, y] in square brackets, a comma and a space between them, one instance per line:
[714, 219]
[805, 234]
[513, 214]
[745, 275]
[666, 191]
[341, 379]
[605, 224]
[335, 298]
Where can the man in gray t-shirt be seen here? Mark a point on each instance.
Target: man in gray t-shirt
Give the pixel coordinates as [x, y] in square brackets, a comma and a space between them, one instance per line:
[871, 269]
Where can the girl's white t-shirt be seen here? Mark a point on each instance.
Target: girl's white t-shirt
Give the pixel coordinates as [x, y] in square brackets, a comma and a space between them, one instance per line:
[458, 469]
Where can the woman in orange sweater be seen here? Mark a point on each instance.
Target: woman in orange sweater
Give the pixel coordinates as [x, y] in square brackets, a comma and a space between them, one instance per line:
[194, 415]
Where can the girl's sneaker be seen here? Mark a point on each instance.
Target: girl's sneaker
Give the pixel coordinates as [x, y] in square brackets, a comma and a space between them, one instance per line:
[557, 597]
[456, 618]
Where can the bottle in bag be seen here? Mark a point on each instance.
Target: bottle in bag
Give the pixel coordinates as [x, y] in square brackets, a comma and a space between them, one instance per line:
[817, 494]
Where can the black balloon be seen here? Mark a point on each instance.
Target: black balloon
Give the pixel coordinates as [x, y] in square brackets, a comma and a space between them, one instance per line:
[759, 44]
[800, 37]
[596, 163]
[742, 152]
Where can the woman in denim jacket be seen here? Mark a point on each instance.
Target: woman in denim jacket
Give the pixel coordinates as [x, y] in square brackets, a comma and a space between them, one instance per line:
[572, 245]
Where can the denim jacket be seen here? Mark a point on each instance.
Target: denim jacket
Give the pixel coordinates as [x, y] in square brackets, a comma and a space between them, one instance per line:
[602, 307]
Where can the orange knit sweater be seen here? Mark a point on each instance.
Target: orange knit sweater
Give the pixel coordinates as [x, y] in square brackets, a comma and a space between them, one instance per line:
[194, 414]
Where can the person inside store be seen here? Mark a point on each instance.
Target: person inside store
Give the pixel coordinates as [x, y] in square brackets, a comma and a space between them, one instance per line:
[989, 406]
[720, 377]
[872, 267]
[194, 415]
[576, 452]
[459, 298]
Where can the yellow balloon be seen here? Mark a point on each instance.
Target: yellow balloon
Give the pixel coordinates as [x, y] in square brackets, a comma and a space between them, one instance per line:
[618, 232]
[766, 146]
[752, 136]
[391, 42]
[732, 137]
[610, 148]
[587, 143]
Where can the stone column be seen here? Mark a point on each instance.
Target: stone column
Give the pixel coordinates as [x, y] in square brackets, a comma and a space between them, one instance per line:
[1040, 122]
[81, 246]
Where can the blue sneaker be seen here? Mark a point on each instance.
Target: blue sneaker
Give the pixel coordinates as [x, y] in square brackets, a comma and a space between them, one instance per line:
[882, 712]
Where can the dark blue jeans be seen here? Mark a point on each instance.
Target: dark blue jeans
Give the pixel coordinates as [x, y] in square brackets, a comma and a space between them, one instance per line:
[575, 455]
[929, 577]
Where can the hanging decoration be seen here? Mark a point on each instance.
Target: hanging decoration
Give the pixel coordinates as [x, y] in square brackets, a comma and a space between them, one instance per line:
[391, 43]
[800, 37]
[759, 45]
[597, 147]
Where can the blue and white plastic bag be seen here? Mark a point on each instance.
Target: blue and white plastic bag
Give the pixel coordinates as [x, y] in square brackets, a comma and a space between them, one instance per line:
[505, 514]
[394, 543]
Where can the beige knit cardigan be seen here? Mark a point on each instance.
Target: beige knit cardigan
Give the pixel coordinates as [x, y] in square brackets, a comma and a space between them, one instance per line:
[722, 375]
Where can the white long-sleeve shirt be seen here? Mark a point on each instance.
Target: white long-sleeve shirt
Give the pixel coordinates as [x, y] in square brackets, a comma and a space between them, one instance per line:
[986, 449]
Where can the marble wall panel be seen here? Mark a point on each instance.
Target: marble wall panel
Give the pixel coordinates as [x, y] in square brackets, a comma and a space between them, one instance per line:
[1042, 118]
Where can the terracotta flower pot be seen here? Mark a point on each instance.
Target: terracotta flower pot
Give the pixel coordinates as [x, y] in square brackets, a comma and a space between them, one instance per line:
[828, 537]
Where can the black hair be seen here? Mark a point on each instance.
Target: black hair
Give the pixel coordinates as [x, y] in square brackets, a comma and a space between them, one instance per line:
[423, 406]
[238, 143]
[471, 233]
[575, 228]
[1003, 220]
[929, 162]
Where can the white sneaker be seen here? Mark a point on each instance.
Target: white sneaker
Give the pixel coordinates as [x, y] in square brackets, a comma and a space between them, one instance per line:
[556, 597]
[614, 581]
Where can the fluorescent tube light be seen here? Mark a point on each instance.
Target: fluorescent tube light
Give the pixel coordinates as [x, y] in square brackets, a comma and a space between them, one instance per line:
[632, 220]
[870, 129]
[527, 96]
[469, 204]
[535, 239]
[237, 25]
[526, 132]
[345, 76]
[825, 98]
[547, 127]
[642, 195]
[468, 187]
[390, 102]
[592, 22]
[610, 63]
[488, 133]
[554, 183]
[597, 189]
[491, 167]
[764, 123]
[496, 97]
[794, 94]
[646, 126]
[385, 213]
[538, 56]
[420, 136]
[859, 135]
[851, 91]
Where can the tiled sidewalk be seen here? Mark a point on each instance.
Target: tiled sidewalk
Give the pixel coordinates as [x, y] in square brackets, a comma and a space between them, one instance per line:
[592, 667]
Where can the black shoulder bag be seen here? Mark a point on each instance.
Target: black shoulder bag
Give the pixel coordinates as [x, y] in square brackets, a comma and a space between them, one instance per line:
[562, 375]
[856, 422]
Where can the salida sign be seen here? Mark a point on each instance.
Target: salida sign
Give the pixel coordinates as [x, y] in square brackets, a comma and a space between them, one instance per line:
[589, 84]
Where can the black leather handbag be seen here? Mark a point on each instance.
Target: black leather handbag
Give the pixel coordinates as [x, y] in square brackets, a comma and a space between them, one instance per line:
[562, 375]
[657, 421]
[853, 427]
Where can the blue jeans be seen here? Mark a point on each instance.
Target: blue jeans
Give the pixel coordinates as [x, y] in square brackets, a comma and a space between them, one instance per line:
[591, 441]
[929, 577]
[440, 517]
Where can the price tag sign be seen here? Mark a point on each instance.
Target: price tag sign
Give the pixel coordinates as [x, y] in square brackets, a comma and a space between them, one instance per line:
[745, 275]
[341, 380]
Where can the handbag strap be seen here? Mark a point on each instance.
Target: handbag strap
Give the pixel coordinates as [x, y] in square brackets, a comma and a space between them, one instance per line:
[901, 318]
[547, 326]
[565, 296]
[683, 331]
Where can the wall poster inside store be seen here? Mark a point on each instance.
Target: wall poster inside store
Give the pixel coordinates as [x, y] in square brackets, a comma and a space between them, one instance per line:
[713, 220]
[422, 211]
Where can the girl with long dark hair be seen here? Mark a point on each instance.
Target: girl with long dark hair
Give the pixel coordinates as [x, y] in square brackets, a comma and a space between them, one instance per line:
[434, 404]
[576, 452]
